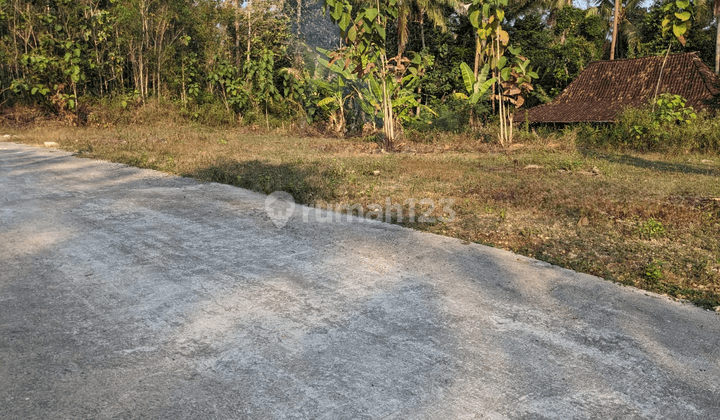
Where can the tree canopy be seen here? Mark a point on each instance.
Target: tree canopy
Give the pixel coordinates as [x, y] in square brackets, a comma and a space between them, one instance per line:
[260, 57]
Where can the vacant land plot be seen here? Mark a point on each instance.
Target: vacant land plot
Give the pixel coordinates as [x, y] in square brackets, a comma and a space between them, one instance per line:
[644, 220]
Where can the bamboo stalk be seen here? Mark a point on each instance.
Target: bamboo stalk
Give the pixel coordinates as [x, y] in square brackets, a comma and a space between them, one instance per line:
[657, 86]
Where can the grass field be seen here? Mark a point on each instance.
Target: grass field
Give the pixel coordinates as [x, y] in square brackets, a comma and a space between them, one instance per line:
[649, 221]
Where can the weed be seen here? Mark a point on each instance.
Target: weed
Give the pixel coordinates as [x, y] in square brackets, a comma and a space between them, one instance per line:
[569, 164]
[653, 272]
[651, 228]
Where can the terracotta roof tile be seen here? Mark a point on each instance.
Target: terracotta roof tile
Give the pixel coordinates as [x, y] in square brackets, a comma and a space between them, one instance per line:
[605, 88]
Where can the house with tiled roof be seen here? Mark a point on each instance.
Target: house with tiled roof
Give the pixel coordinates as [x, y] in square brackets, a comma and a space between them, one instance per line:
[601, 91]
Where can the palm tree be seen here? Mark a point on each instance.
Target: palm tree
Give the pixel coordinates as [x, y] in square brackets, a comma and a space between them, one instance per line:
[433, 9]
[621, 24]
[616, 19]
[519, 7]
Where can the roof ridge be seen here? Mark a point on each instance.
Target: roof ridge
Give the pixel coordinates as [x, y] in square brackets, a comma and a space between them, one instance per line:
[713, 90]
[695, 53]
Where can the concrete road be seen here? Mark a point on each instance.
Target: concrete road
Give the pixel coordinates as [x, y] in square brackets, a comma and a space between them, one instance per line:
[126, 293]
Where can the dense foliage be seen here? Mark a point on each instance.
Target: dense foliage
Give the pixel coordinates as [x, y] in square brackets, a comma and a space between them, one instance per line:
[251, 61]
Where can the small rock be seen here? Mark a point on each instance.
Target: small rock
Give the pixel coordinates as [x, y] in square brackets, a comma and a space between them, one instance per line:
[583, 221]
[51, 144]
[376, 173]
[717, 308]
[533, 167]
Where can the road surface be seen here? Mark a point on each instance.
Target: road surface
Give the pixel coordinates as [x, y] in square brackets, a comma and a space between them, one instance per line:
[127, 293]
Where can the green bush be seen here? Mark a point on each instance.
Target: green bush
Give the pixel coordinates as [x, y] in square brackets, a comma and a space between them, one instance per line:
[452, 116]
[668, 127]
[653, 272]
[651, 228]
[213, 114]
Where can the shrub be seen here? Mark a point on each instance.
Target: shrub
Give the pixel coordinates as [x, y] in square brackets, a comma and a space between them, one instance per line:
[653, 272]
[212, 114]
[651, 228]
[668, 127]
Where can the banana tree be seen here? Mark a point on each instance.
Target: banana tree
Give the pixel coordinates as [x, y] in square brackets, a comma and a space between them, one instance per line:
[511, 78]
[404, 78]
[364, 34]
[335, 92]
[477, 88]
[515, 82]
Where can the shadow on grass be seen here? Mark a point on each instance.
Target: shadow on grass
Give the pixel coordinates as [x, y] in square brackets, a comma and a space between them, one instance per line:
[307, 183]
[660, 165]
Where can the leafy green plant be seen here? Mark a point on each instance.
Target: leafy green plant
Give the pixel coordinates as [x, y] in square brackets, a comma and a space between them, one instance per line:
[653, 272]
[258, 79]
[364, 33]
[514, 75]
[651, 228]
[678, 18]
[225, 78]
[477, 87]
[334, 92]
[386, 85]
[188, 77]
[664, 125]
[300, 91]
[401, 89]
[671, 109]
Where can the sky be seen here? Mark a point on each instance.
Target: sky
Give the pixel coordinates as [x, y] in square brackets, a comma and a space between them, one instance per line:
[584, 4]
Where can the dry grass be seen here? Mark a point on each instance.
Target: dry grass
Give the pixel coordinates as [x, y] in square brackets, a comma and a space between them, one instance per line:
[642, 220]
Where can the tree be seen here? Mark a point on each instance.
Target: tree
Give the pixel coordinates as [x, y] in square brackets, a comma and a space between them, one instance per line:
[616, 19]
[707, 11]
[433, 9]
[700, 39]
[561, 51]
[511, 72]
[716, 13]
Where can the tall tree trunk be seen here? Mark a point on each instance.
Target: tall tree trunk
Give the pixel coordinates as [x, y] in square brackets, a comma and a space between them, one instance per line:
[119, 71]
[616, 18]
[716, 12]
[237, 33]
[249, 30]
[13, 33]
[142, 51]
[477, 56]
